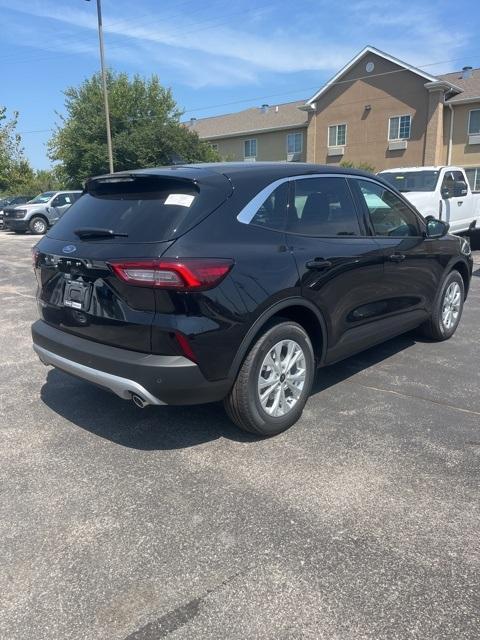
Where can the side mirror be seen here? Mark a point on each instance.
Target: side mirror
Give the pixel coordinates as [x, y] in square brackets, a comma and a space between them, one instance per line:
[436, 228]
[460, 188]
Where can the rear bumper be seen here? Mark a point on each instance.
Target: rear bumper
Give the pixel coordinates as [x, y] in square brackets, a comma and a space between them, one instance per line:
[156, 379]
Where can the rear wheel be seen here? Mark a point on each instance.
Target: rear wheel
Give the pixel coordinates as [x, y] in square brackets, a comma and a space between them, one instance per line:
[274, 381]
[38, 226]
[447, 310]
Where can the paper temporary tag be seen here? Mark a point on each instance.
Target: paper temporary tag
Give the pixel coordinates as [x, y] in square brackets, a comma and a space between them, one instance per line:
[181, 199]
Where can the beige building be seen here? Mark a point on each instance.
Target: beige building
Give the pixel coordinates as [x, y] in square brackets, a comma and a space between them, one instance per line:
[377, 110]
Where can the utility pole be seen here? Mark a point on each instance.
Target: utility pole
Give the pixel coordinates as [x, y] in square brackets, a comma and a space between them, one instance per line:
[104, 83]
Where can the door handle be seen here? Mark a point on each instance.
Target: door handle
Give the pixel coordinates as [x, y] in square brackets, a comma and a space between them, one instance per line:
[397, 257]
[460, 202]
[318, 264]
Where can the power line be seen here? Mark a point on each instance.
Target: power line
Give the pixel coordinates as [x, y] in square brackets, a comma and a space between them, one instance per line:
[276, 95]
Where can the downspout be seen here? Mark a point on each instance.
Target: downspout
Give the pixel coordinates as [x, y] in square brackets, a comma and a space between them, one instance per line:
[450, 135]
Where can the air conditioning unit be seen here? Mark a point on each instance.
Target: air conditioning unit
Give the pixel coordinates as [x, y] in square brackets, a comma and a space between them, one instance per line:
[397, 145]
[294, 157]
[474, 138]
[335, 151]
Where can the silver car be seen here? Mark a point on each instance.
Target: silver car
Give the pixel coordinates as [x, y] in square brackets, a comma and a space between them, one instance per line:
[39, 214]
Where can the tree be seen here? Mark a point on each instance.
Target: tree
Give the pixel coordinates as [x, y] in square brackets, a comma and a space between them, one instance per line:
[145, 123]
[11, 152]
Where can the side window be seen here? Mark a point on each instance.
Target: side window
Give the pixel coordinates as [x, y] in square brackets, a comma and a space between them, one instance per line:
[389, 215]
[59, 201]
[271, 213]
[450, 177]
[323, 207]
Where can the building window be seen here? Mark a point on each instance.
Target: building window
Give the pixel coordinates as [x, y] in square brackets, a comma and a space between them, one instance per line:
[250, 149]
[294, 142]
[337, 135]
[399, 127]
[473, 176]
[474, 123]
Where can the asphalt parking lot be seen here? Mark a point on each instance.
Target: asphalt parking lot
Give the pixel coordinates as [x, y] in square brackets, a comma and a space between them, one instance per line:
[361, 522]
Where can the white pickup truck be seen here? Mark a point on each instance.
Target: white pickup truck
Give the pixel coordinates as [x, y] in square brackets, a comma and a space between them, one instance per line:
[441, 192]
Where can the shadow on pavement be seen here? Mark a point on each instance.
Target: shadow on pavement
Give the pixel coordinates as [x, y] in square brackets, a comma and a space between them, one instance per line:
[120, 421]
[155, 428]
[335, 373]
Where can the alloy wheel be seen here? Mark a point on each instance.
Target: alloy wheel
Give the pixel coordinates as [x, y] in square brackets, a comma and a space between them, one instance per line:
[39, 226]
[282, 378]
[451, 306]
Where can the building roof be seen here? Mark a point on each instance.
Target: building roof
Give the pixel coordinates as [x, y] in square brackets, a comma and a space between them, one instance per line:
[470, 86]
[281, 116]
[291, 115]
[366, 50]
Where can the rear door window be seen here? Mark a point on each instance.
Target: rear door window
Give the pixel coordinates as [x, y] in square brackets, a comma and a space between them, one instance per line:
[323, 207]
[145, 208]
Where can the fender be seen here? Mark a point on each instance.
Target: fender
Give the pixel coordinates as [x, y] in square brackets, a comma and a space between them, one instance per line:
[294, 301]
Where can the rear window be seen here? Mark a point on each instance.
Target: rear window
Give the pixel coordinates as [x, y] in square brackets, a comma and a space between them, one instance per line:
[406, 181]
[145, 208]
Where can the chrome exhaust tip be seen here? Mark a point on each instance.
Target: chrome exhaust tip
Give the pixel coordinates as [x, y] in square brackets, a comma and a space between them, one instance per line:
[139, 401]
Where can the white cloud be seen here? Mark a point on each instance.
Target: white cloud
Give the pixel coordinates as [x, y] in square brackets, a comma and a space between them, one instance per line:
[208, 52]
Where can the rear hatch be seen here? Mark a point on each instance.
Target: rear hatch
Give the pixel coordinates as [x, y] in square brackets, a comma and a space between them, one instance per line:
[134, 216]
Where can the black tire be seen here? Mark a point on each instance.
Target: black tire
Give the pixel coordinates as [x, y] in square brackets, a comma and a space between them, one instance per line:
[435, 328]
[38, 226]
[243, 403]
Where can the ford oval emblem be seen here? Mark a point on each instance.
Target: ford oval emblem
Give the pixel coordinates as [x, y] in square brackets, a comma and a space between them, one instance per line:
[69, 248]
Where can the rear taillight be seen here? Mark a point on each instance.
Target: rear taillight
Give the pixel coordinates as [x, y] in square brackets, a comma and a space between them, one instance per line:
[183, 274]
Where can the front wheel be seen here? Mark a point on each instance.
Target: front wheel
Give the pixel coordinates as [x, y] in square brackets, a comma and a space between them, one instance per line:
[447, 310]
[274, 381]
[38, 226]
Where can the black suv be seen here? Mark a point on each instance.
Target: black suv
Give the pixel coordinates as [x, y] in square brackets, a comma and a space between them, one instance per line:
[234, 282]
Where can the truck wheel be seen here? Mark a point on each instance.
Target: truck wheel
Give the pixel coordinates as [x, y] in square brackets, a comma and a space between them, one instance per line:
[38, 226]
[447, 309]
[274, 381]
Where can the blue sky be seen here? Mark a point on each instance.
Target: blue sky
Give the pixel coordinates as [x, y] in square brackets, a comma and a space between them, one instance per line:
[216, 56]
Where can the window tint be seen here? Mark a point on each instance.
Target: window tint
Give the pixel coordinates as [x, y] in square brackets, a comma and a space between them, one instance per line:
[389, 215]
[412, 180]
[450, 177]
[61, 200]
[271, 213]
[323, 207]
[147, 209]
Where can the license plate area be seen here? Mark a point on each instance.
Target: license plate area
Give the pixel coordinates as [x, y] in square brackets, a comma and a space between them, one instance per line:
[77, 295]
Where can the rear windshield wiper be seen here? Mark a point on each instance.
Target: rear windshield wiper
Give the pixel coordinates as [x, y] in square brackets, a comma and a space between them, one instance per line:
[94, 232]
